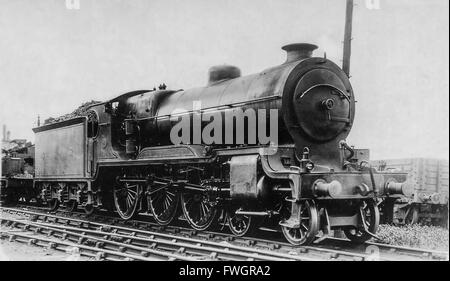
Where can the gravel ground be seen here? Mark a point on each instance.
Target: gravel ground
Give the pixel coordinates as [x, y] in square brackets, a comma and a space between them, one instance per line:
[417, 236]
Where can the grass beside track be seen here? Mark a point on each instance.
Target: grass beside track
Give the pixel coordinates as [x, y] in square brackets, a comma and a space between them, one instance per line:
[417, 236]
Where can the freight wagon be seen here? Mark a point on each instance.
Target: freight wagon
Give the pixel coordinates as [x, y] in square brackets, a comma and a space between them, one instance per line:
[429, 201]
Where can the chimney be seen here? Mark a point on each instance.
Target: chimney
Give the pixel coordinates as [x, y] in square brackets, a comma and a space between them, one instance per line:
[4, 133]
[8, 134]
[299, 51]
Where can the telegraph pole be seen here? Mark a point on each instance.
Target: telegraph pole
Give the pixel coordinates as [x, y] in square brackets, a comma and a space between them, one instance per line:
[348, 38]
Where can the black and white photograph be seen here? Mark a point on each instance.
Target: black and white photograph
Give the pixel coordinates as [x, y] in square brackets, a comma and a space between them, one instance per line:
[224, 136]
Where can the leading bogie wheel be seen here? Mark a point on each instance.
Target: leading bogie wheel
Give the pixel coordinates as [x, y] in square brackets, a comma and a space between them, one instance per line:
[371, 213]
[163, 204]
[308, 225]
[126, 199]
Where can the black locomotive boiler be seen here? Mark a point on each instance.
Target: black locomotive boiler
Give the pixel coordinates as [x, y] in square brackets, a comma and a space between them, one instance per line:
[120, 156]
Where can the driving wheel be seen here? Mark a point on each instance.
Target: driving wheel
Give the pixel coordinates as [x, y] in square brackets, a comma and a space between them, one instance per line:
[126, 199]
[198, 210]
[163, 203]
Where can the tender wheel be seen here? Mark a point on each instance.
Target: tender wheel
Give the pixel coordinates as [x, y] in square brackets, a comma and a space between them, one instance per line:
[198, 210]
[72, 206]
[89, 209]
[372, 220]
[53, 204]
[163, 204]
[126, 199]
[308, 225]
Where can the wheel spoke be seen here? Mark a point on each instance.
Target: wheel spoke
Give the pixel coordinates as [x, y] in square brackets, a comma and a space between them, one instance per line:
[203, 208]
[166, 203]
[128, 203]
[304, 227]
[302, 234]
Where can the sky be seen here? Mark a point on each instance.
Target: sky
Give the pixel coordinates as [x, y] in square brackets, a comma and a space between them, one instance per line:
[52, 58]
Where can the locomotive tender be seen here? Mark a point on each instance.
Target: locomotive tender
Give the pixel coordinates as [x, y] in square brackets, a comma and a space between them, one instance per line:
[120, 156]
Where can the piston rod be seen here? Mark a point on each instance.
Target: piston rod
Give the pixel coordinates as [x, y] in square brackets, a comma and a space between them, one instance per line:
[253, 213]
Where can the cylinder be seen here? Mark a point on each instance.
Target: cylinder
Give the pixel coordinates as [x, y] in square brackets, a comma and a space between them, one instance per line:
[253, 213]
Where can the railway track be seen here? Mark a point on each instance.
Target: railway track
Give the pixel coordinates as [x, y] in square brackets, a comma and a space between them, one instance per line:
[138, 248]
[183, 242]
[133, 244]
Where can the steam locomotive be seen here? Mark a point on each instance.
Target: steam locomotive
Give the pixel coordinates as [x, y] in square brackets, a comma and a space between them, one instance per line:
[121, 155]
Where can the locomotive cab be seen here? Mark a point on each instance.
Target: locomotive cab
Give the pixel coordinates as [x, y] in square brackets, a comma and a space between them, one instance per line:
[133, 120]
